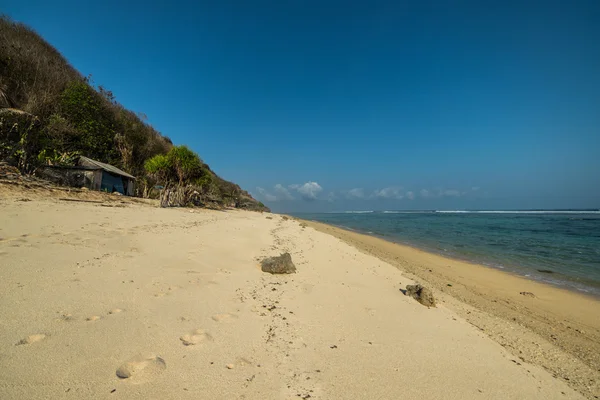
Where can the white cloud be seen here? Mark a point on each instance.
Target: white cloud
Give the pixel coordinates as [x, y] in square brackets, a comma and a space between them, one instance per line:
[451, 193]
[356, 193]
[435, 193]
[393, 192]
[308, 191]
[311, 191]
[425, 193]
[283, 193]
[266, 195]
[280, 193]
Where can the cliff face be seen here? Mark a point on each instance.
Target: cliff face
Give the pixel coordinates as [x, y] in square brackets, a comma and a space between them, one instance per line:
[51, 114]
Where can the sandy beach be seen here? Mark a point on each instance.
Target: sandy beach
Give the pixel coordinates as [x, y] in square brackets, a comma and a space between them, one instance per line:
[120, 299]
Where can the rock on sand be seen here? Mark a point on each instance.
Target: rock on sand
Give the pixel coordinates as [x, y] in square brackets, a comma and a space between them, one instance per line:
[279, 265]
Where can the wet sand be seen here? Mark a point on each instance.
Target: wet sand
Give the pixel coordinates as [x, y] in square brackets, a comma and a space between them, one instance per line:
[553, 327]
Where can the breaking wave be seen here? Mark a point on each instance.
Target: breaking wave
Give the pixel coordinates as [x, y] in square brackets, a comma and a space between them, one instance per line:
[519, 212]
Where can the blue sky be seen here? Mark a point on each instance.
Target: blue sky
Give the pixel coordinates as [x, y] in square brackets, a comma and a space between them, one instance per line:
[341, 105]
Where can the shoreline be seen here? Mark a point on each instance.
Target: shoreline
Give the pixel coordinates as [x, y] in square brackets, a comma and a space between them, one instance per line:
[553, 328]
[593, 292]
[110, 296]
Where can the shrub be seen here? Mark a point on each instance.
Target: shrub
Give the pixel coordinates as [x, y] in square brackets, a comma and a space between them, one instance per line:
[180, 164]
[186, 164]
[84, 108]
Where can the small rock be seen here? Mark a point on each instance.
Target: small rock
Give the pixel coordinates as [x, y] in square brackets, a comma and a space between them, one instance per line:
[230, 366]
[279, 265]
[528, 294]
[422, 294]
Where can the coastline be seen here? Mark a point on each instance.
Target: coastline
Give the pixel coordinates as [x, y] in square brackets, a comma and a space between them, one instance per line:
[538, 273]
[564, 284]
[555, 328]
[110, 296]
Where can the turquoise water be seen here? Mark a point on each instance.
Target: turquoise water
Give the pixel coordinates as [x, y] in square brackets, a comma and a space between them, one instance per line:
[567, 243]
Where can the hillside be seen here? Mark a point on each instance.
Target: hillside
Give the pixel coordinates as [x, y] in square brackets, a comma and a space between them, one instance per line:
[50, 114]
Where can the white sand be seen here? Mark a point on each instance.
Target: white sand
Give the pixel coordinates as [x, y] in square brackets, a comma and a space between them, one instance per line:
[147, 303]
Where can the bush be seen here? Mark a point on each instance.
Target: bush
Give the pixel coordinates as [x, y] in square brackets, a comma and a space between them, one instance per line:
[180, 164]
[186, 164]
[84, 108]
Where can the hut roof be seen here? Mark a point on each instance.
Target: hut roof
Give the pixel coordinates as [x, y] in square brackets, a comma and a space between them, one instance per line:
[88, 162]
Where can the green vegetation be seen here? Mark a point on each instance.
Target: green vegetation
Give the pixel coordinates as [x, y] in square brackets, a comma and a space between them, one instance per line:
[51, 114]
[179, 165]
[191, 181]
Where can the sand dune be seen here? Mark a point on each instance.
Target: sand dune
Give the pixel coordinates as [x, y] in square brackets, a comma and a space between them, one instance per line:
[137, 302]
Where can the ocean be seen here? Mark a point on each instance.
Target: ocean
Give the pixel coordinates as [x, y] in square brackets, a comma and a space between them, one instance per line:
[557, 247]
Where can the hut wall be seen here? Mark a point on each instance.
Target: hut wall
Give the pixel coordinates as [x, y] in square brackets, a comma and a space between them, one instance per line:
[130, 187]
[97, 181]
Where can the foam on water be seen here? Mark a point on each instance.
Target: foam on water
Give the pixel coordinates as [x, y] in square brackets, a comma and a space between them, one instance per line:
[517, 212]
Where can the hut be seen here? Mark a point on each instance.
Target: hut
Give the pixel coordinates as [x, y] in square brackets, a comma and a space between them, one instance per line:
[94, 175]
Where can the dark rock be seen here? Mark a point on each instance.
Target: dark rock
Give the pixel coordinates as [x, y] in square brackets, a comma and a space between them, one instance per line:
[279, 265]
[422, 294]
[545, 271]
[528, 294]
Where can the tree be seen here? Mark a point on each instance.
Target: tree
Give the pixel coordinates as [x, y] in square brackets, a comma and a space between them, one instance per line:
[159, 168]
[179, 164]
[185, 162]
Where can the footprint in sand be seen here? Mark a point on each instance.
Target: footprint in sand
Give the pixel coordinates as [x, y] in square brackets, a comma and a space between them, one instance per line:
[66, 317]
[93, 318]
[32, 339]
[224, 317]
[242, 362]
[196, 337]
[141, 368]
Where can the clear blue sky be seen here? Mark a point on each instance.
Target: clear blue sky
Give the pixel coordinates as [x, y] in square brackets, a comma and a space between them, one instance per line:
[337, 105]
